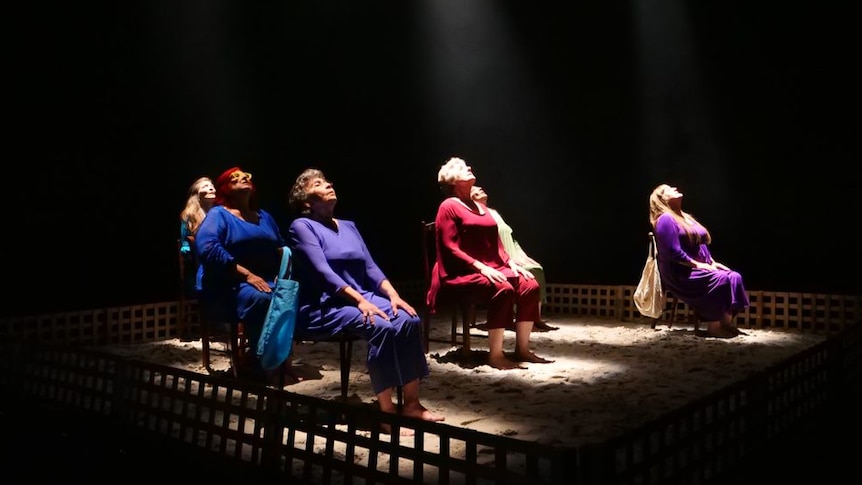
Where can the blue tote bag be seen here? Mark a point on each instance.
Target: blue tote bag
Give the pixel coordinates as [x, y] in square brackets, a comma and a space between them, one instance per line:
[276, 337]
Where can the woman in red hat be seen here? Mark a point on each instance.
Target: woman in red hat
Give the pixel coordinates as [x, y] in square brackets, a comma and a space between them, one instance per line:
[238, 247]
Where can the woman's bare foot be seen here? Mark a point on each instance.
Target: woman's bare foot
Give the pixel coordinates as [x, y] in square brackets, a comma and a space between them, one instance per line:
[717, 330]
[290, 375]
[417, 410]
[387, 429]
[531, 357]
[503, 363]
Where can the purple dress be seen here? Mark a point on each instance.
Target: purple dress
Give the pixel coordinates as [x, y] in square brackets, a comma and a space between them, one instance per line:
[710, 294]
[328, 260]
[223, 240]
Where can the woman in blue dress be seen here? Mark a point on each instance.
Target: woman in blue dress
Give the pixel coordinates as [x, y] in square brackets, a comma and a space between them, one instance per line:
[343, 290]
[238, 245]
[714, 291]
[201, 199]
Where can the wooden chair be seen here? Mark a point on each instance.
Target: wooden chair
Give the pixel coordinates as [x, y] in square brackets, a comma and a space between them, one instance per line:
[674, 304]
[184, 291]
[463, 308]
[345, 354]
[216, 326]
[212, 328]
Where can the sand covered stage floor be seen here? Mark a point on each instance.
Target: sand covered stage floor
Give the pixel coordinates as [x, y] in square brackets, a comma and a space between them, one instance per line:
[608, 376]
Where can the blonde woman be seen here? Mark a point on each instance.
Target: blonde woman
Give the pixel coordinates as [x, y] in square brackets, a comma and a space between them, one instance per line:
[201, 199]
[714, 291]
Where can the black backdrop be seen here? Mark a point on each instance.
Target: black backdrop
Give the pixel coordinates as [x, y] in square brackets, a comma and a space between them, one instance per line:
[568, 115]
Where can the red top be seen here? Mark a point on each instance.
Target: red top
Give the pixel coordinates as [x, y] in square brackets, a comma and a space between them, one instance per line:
[462, 237]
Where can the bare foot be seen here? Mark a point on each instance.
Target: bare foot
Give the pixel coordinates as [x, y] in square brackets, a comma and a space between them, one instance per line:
[503, 363]
[417, 410]
[387, 429]
[717, 330]
[531, 357]
[290, 375]
[274, 378]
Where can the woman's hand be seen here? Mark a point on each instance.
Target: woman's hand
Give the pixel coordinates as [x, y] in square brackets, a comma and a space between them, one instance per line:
[259, 283]
[369, 310]
[704, 266]
[720, 266]
[397, 303]
[520, 271]
[492, 274]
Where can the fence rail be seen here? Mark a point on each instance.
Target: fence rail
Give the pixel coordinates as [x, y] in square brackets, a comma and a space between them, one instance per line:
[46, 361]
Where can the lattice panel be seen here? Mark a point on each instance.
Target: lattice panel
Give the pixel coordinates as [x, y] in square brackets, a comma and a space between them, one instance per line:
[320, 441]
[585, 300]
[105, 326]
[780, 310]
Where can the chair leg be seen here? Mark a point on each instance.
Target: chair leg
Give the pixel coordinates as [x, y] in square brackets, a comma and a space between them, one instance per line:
[205, 346]
[673, 311]
[454, 337]
[468, 318]
[426, 328]
[345, 349]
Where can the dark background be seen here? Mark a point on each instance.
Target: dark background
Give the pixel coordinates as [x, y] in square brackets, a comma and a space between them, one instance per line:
[569, 115]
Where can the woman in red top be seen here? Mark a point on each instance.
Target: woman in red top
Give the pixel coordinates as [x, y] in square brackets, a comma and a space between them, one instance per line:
[471, 259]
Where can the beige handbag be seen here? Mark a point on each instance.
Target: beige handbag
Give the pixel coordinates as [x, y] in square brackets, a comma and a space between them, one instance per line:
[649, 297]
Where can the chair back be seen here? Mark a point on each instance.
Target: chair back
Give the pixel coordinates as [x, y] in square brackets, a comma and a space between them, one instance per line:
[429, 250]
[185, 292]
[456, 305]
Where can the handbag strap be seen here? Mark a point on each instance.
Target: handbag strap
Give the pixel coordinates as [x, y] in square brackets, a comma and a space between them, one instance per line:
[286, 260]
[653, 248]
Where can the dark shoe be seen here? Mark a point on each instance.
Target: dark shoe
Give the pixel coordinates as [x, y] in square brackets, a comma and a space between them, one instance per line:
[542, 326]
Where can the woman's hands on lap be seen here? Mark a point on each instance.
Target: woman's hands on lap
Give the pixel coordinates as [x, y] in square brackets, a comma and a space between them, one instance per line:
[399, 304]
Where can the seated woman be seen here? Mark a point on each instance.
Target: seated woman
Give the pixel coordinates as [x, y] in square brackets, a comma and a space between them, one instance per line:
[201, 199]
[343, 290]
[713, 291]
[238, 245]
[471, 261]
[517, 254]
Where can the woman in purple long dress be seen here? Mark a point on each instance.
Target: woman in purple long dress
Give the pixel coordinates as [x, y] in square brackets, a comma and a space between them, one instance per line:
[714, 291]
[343, 290]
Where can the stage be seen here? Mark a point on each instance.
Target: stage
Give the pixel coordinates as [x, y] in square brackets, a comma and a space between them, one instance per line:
[608, 376]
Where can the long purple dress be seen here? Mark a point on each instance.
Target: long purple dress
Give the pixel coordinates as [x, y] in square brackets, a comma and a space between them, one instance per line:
[328, 260]
[710, 294]
[224, 239]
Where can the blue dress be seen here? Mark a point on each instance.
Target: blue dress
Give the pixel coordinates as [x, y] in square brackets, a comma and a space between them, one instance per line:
[224, 240]
[710, 294]
[192, 282]
[328, 260]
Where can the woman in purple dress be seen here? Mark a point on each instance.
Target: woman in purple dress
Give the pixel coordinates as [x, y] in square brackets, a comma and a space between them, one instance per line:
[688, 270]
[343, 290]
[238, 244]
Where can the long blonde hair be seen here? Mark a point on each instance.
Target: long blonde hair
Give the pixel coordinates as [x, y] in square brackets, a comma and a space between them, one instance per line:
[658, 206]
[194, 214]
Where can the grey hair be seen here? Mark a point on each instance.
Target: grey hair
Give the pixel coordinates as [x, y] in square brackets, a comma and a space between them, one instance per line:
[298, 195]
